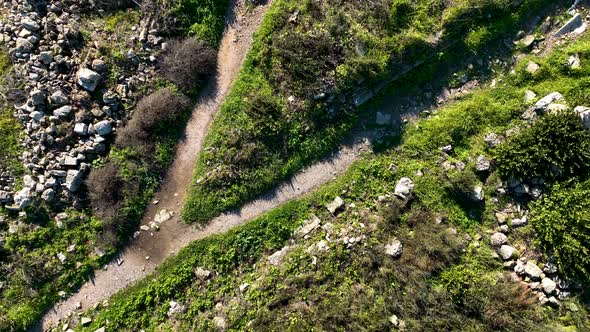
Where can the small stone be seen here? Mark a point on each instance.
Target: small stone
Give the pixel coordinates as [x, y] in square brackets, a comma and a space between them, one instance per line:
[574, 61]
[276, 258]
[549, 286]
[335, 205]
[529, 96]
[533, 271]
[62, 258]
[542, 104]
[482, 164]
[99, 65]
[175, 308]
[48, 195]
[103, 128]
[404, 188]
[528, 40]
[518, 222]
[45, 57]
[309, 226]
[37, 97]
[202, 274]
[85, 321]
[29, 24]
[532, 67]
[58, 98]
[244, 287]
[88, 79]
[219, 322]
[478, 193]
[493, 140]
[81, 129]
[394, 248]
[498, 239]
[506, 252]
[73, 180]
[63, 112]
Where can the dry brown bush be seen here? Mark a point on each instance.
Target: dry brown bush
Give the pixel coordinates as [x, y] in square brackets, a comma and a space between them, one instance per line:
[153, 111]
[105, 190]
[188, 63]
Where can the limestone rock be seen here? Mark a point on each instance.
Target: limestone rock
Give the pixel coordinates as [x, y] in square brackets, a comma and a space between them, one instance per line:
[404, 188]
[88, 79]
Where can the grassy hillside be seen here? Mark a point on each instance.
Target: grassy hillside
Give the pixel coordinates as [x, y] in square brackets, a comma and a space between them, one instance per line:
[295, 98]
[340, 275]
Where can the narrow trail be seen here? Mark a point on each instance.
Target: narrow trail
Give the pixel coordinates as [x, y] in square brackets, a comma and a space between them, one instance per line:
[133, 263]
[241, 23]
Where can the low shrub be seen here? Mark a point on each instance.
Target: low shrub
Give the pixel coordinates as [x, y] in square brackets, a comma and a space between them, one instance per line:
[562, 222]
[556, 146]
[188, 63]
[105, 190]
[154, 114]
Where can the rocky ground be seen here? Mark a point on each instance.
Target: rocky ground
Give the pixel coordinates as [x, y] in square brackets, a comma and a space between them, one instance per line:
[73, 99]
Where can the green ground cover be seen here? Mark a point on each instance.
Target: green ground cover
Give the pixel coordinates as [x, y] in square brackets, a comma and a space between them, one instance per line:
[447, 277]
[294, 99]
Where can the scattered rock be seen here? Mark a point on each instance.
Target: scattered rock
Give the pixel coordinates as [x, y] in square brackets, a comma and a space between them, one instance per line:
[482, 164]
[219, 322]
[88, 79]
[542, 104]
[103, 128]
[478, 193]
[81, 129]
[532, 67]
[309, 226]
[394, 248]
[549, 286]
[276, 258]
[84, 321]
[498, 239]
[584, 114]
[574, 61]
[493, 140]
[533, 271]
[175, 308]
[335, 205]
[506, 252]
[572, 24]
[529, 96]
[202, 274]
[404, 188]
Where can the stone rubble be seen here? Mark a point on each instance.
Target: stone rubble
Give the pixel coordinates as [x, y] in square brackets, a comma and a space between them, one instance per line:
[71, 111]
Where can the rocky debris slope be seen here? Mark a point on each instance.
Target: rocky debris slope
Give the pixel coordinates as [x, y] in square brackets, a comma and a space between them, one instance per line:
[72, 101]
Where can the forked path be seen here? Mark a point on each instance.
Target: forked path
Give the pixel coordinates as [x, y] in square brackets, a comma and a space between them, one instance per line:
[149, 250]
[241, 23]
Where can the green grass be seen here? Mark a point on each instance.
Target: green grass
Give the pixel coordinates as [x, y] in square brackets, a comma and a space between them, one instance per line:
[441, 282]
[10, 129]
[261, 138]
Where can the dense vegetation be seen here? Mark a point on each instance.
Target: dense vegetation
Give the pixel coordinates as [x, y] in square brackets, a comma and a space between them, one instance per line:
[311, 62]
[446, 278]
[562, 221]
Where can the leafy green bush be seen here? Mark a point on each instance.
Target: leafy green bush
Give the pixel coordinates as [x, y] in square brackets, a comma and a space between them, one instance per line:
[562, 222]
[556, 146]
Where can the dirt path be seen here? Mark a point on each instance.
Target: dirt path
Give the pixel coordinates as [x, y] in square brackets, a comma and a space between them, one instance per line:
[173, 235]
[133, 264]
